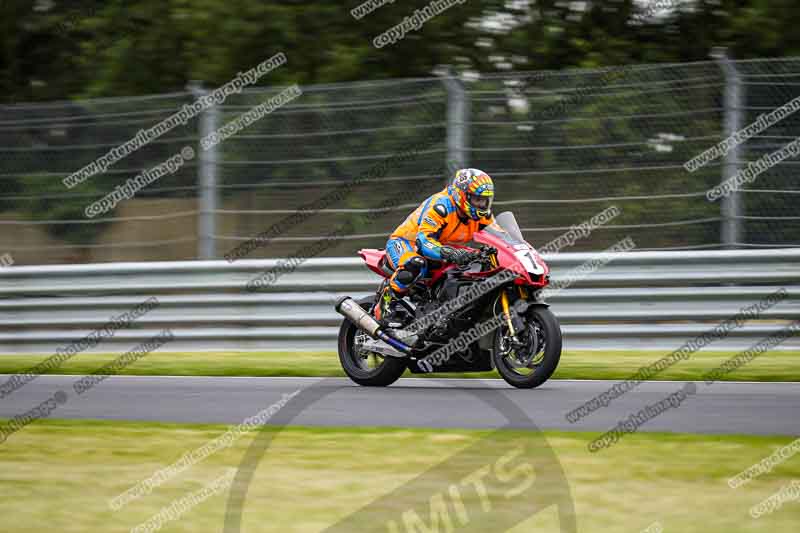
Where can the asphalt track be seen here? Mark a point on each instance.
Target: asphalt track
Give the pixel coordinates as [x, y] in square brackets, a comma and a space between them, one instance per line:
[721, 408]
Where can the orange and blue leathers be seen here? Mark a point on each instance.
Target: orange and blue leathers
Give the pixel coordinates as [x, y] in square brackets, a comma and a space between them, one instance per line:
[436, 222]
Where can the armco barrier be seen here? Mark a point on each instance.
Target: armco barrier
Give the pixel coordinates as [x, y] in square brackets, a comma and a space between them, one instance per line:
[641, 300]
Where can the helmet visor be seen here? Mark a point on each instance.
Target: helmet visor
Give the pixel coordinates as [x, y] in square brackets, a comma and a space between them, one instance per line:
[481, 203]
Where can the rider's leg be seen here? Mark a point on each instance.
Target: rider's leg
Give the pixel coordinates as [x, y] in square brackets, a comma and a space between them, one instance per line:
[408, 267]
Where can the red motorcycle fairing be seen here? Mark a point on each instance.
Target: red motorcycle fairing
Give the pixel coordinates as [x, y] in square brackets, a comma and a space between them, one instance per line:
[373, 258]
[521, 258]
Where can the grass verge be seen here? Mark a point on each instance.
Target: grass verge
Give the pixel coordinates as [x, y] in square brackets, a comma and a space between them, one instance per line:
[60, 475]
[771, 366]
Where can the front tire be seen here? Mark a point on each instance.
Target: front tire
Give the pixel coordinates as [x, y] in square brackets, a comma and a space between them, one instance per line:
[386, 370]
[532, 365]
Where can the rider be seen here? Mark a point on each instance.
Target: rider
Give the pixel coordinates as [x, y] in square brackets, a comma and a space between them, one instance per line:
[450, 216]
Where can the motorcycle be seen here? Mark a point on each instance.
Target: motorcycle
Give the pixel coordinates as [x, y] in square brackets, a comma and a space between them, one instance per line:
[486, 314]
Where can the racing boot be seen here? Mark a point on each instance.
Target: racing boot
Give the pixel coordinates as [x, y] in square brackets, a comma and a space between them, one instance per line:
[392, 315]
[389, 311]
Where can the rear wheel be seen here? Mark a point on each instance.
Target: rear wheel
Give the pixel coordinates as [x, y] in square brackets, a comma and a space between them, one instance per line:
[362, 366]
[531, 360]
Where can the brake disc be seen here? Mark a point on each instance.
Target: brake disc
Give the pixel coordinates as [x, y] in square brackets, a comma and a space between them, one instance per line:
[531, 347]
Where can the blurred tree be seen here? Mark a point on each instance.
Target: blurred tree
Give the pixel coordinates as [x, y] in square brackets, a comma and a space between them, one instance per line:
[53, 50]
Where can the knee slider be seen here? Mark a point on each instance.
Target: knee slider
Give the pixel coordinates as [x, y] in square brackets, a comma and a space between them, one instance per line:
[411, 271]
[405, 277]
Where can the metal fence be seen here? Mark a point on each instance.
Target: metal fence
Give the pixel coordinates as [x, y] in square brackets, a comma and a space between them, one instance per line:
[562, 146]
[640, 300]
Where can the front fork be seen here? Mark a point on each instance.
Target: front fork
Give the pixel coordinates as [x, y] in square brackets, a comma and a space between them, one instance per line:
[505, 301]
[507, 312]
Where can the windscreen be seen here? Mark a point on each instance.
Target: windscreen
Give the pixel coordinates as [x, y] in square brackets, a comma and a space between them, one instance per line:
[506, 228]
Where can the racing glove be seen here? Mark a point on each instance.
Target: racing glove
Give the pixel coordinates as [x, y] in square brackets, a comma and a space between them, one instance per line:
[456, 255]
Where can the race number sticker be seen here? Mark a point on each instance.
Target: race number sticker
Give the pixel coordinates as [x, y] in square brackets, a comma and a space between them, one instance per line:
[529, 262]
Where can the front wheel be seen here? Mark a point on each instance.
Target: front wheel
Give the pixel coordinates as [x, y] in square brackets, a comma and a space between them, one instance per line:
[364, 367]
[531, 359]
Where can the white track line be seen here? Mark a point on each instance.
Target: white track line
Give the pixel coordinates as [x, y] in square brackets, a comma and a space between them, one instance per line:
[495, 380]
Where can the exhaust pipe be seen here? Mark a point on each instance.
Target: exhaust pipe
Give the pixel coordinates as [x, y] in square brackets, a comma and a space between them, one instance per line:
[350, 309]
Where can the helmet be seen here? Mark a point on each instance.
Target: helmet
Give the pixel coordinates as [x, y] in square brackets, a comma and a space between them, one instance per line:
[472, 191]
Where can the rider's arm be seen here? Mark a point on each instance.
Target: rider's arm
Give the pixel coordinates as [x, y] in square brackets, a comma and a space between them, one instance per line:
[432, 222]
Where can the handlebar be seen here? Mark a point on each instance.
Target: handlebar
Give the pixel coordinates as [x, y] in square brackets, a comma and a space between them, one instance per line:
[483, 255]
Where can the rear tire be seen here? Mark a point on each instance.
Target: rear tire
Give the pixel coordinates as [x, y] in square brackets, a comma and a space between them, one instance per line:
[383, 375]
[545, 365]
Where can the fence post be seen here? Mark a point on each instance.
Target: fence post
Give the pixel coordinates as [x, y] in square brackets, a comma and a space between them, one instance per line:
[206, 179]
[731, 206]
[457, 121]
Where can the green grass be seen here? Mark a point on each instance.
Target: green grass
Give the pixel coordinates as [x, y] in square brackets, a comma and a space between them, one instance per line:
[772, 366]
[59, 476]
